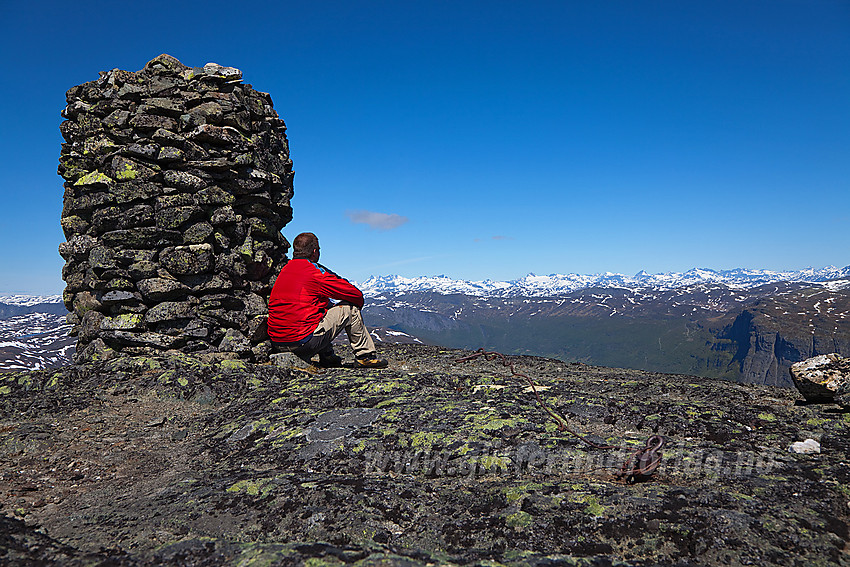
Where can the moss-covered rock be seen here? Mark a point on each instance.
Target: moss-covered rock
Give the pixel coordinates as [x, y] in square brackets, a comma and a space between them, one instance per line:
[192, 459]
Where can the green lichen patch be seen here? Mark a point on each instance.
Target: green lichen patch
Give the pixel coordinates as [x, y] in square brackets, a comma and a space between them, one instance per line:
[251, 463]
[253, 487]
[234, 365]
[94, 178]
[519, 519]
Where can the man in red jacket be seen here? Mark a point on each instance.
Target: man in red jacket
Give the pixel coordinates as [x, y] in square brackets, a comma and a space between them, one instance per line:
[302, 318]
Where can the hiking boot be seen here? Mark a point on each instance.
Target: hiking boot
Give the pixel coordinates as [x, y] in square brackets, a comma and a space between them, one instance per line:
[371, 360]
[330, 361]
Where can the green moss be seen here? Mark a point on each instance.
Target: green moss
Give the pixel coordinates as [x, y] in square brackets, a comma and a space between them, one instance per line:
[594, 508]
[281, 434]
[124, 321]
[126, 172]
[767, 416]
[233, 366]
[816, 421]
[187, 360]
[515, 493]
[496, 424]
[53, 381]
[102, 354]
[592, 505]
[774, 477]
[493, 463]
[519, 519]
[391, 415]
[253, 487]
[149, 363]
[5, 390]
[380, 387]
[183, 381]
[329, 561]
[487, 421]
[93, 178]
[739, 496]
[120, 283]
[425, 439]
[167, 377]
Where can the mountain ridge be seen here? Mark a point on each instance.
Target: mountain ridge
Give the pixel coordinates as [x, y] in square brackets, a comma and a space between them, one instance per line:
[533, 285]
[745, 326]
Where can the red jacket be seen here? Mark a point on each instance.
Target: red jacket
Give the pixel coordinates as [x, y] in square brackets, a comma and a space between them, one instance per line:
[300, 298]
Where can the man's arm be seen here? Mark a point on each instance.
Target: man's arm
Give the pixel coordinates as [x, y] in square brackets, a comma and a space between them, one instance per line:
[335, 287]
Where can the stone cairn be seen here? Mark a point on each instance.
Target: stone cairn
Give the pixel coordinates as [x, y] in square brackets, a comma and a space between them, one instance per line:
[177, 185]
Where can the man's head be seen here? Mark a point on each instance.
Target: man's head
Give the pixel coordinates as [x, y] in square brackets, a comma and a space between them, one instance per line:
[305, 245]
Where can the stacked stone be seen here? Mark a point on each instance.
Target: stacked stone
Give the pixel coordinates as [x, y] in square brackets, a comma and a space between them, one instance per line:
[177, 184]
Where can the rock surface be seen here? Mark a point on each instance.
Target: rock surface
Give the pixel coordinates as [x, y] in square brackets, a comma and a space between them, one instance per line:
[824, 378]
[177, 184]
[184, 460]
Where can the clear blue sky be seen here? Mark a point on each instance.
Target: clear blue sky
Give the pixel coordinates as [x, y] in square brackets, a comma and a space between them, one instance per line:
[484, 139]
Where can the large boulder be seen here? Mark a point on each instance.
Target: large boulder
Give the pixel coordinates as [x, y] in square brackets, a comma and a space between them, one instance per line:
[824, 378]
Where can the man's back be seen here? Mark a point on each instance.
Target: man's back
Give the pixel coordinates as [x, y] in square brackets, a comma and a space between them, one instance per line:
[300, 297]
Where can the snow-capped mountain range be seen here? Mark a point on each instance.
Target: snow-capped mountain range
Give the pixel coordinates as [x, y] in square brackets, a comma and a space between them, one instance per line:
[558, 284]
[24, 300]
[33, 332]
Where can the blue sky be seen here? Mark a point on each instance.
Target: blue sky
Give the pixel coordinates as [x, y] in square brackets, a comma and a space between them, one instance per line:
[484, 139]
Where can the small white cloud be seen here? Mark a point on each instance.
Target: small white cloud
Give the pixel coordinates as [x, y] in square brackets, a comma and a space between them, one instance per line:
[377, 221]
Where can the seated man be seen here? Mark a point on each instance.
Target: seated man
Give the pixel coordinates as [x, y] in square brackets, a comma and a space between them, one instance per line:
[304, 321]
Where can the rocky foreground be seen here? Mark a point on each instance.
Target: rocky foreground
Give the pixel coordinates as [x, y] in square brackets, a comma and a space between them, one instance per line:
[189, 461]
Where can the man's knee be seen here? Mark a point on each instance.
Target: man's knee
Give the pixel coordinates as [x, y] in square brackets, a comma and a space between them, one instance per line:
[347, 310]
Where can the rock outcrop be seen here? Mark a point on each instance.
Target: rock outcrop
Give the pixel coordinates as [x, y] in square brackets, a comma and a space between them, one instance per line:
[824, 378]
[180, 461]
[767, 343]
[177, 184]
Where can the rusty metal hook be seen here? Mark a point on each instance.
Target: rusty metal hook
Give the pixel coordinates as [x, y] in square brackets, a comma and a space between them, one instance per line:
[643, 462]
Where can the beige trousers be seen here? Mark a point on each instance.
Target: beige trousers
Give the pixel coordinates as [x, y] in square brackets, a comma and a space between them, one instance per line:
[342, 316]
[345, 316]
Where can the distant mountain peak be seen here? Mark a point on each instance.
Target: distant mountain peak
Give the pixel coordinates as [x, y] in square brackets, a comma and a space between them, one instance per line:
[27, 300]
[556, 284]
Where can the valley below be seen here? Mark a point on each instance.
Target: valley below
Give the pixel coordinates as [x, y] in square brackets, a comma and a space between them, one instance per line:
[743, 334]
[745, 330]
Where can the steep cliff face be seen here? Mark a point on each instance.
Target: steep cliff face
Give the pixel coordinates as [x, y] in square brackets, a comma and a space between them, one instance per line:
[745, 335]
[773, 334]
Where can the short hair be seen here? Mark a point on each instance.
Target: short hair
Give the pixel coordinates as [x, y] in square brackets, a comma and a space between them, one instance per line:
[304, 245]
